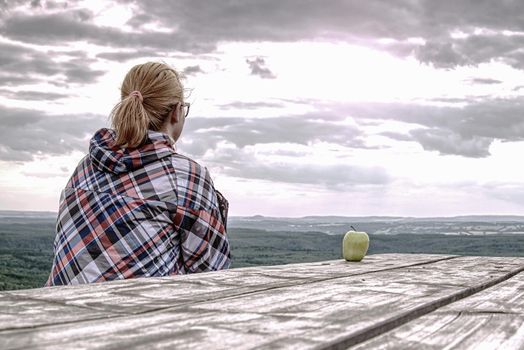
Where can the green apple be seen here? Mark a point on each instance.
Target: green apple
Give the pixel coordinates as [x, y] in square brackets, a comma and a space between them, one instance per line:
[355, 245]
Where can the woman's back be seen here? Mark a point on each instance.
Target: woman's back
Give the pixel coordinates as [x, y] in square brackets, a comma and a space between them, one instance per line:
[137, 211]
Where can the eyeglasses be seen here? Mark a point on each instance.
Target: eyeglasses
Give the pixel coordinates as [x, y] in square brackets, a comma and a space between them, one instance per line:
[185, 108]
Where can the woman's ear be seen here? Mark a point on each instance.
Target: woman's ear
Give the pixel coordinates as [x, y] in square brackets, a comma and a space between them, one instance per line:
[174, 115]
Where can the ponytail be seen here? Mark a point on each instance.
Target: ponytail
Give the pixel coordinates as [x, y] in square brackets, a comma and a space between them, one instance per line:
[148, 93]
[129, 118]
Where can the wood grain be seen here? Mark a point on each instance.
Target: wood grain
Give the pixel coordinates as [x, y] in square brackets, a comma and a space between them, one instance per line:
[297, 306]
[148, 294]
[490, 319]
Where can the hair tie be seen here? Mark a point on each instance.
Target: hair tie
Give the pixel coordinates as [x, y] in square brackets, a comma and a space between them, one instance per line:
[138, 94]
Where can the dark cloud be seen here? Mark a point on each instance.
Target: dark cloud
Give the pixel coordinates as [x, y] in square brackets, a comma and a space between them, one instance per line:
[27, 133]
[356, 22]
[6, 5]
[51, 28]
[67, 54]
[139, 20]
[76, 72]
[278, 20]
[192, 70]
[53, 5]
[473, 50]
[449, 143]
[258, 67]
[467, 131]
[74, 25]
[198, 25]
[32, 95]
[125, 55]
[22, 65]
[485, 81]
[441, 55]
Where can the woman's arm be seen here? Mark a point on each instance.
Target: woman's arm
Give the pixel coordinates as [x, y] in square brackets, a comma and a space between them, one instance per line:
[223, 206]
[203, 240]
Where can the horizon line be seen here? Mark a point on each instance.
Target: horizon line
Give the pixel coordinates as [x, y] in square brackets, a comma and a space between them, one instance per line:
[316, 216]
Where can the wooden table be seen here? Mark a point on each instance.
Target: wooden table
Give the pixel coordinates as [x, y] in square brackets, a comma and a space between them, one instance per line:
[387, 301]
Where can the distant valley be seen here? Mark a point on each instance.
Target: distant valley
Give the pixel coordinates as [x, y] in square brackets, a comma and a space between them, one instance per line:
[26, 240]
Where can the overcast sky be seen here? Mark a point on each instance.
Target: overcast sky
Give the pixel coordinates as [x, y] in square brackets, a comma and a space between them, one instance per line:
[377, 107]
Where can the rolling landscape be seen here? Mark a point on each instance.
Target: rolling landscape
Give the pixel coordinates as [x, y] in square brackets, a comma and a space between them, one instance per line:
[26, 240]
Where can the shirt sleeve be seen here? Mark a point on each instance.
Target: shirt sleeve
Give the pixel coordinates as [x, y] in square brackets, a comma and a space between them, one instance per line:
[203, 240]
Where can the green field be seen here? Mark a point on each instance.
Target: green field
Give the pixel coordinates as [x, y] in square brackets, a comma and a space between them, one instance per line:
[26, 248]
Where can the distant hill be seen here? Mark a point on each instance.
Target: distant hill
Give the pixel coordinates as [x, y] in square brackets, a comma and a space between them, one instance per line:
[459, 225]
[26, 214]
[338, 219]
[317, 219]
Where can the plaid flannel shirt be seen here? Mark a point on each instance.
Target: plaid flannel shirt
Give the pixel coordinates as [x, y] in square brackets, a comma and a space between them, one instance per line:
[132, 213]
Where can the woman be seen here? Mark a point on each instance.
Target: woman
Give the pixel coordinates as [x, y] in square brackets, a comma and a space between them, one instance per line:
[134, 207]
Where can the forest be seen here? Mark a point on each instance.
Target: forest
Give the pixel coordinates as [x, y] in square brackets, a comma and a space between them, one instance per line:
[26, 248]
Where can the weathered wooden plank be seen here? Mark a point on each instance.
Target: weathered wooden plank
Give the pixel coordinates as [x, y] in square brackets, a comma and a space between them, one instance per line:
[302, 316]
[143, 295]
[16, 312]
[490, 319]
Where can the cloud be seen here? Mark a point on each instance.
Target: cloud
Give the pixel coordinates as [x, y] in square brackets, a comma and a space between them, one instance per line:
[258, 67]
[446, 142]
[192, 70]
[195, 27]
[397, 136]
[26, 133]
[32, 95]
[75, 25]
[226, 143]
[471, 128]
[441, 55]
[125, 55]
[358, 23]
[247, 163]
[485, 81]
[231, 144]
[331, 176]
[508, 191]
[474, 49]
[250, 105]
[203, 134]
[448, 33]
[23, 65]
[43, 175]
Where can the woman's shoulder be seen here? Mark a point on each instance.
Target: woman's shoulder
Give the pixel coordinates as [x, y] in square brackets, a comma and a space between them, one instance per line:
[195, 187]
[185, 165]
[184, 162]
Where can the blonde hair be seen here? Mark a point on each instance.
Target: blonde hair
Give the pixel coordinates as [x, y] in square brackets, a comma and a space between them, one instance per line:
[159, 89]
